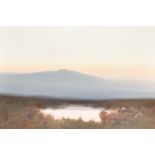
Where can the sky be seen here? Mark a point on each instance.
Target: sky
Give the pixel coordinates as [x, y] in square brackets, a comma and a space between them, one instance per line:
[110, 52]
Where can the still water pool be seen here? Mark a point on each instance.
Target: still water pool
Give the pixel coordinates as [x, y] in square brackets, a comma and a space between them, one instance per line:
[74, 112]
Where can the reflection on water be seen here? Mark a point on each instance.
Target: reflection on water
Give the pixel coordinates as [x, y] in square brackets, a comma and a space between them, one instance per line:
[74, 112]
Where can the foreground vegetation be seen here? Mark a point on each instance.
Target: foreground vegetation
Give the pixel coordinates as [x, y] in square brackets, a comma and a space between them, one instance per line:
[24, 113]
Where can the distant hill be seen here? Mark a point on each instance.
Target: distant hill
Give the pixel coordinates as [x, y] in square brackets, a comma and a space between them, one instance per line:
[71, 84]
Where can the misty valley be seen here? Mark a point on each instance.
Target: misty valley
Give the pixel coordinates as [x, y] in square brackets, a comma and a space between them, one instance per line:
[68, 99]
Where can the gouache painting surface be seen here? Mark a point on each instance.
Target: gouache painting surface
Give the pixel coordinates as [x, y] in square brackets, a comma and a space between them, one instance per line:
[77, 77]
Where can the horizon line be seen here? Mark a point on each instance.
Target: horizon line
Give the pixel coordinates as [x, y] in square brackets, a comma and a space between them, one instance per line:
[70, 70]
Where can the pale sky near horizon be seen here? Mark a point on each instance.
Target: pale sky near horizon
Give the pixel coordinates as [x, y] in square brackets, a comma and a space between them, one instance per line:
[109, 52]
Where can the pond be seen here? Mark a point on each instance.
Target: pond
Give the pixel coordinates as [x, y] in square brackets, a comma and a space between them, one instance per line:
[74, 112]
